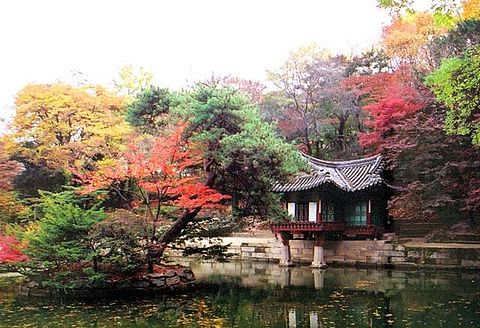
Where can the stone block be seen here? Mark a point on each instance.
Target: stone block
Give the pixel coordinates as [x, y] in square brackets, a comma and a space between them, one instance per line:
[373, 259]
[144, 284]
[336, 258]
[444, 254]
[396, 254]
[470, 264]
[275, 251]
[388, 247]
[398, 259]
[172, 281]
[446, 261]
[413, 254]
[158, 282]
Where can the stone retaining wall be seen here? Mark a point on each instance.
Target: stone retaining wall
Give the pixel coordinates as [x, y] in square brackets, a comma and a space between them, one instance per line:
[336, 252]
[375, 253]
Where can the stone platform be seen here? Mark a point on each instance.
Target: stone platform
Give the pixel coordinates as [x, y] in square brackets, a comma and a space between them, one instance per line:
[373, 253]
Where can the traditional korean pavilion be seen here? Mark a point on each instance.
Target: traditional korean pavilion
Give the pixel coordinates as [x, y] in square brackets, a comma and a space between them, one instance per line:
[336, 199]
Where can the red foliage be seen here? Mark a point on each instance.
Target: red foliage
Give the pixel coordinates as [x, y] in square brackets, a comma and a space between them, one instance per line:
[438, 173]
[291, 124]
[254, 89]
[10, 250]
[167, 173]
[389, 98]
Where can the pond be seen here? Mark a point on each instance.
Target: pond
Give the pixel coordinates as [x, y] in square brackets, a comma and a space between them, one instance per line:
[255, 294]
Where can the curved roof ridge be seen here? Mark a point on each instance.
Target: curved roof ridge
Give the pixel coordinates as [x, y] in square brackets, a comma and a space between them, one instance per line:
[351, 175]
[340, 163]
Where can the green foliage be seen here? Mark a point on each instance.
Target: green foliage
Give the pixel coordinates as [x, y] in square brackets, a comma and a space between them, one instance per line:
[38, 177]
[466, 34]
[317, 112]
[457, 84]
[120, 237]
[394, 6]
[445, 10]
[148, 112]
[59, 246]
[368, 63]
[12, 209]
[132, 81]
[213, 113]
[253, 160]
[202, 237]
[245, 152]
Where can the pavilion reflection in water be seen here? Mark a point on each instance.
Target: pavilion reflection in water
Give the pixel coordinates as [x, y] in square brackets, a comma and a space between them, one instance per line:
[318, 277]
[313, 319]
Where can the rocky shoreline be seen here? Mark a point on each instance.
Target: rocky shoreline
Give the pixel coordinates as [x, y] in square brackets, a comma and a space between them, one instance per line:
[169, 280]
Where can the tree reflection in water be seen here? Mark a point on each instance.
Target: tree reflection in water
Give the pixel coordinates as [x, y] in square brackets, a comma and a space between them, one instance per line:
[241, 294]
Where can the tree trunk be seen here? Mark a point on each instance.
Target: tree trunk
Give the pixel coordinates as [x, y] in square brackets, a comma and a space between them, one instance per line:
[341, 133]
[307, 142]
[156, 250]
[174, 230]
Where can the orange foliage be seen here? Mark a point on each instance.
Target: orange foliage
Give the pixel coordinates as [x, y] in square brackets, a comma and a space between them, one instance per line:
[405, 40]
[166, 173]
[8, 169]
[471, 9]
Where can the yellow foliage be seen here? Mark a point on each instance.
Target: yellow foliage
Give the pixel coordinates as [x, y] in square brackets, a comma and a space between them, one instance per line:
[407, 37]
[471, 9]
[60, 125]
[10, 208]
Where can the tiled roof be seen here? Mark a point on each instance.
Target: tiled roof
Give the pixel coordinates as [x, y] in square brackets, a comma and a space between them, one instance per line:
[351, 175]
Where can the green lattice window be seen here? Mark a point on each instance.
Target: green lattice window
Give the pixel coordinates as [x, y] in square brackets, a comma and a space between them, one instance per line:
[301, 212]
[328, 212]
[356, 214]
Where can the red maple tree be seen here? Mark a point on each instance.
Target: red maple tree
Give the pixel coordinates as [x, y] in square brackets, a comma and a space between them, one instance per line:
[10, 250]
[388, 98]
[166, 173]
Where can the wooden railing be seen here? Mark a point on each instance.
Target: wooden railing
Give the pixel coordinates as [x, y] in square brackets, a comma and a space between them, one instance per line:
[299, 227]
[308, 226]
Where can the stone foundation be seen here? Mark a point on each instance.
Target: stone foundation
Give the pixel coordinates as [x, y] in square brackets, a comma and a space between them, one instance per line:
[372, 253]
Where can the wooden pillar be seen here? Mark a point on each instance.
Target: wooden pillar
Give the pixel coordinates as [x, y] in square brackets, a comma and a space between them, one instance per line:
[369, 212]
[318, 256]
[286, 257]
[319, 211]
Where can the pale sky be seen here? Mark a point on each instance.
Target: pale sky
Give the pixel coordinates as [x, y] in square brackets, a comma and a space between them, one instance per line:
[179, 41]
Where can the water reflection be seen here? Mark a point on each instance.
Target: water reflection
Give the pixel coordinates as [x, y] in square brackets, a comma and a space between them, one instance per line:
[318, 278]
[255, 294]
[256, 274]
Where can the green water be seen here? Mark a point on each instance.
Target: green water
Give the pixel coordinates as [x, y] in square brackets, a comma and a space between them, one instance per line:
[253, 294]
